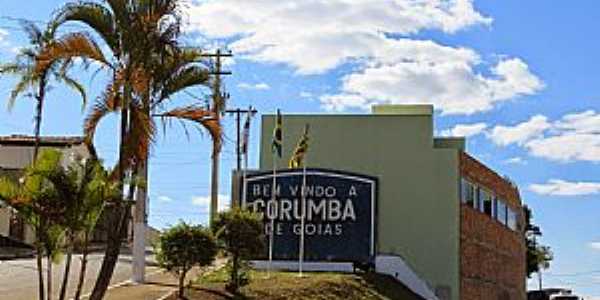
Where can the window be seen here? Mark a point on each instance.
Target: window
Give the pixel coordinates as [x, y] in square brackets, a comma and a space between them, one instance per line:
[511, 219]
[501, 211]
[485, 201]
[467, 192]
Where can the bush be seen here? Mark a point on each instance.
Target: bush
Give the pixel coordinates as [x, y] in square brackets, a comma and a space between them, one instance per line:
[240, 233]
[184, 246]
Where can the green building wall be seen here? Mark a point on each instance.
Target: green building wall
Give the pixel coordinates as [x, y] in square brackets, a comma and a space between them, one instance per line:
[418, 208]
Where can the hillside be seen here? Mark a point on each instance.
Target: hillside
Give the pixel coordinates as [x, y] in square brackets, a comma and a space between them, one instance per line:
[286, 285]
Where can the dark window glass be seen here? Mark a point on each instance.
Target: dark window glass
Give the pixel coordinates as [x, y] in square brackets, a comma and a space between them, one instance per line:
[511, 219]
[467, 190]
[501, 211]
[485, 201]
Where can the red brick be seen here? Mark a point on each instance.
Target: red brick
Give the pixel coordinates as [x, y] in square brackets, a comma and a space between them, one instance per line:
[492, 265]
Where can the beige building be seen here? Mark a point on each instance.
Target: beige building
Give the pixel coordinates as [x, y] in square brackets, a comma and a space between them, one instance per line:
[16, 152]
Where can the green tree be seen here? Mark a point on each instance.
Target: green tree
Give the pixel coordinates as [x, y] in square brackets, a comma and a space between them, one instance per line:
[142, 39]
[184, 246]
[38, 203]
[538, 256]
[84, 187]
[61, 203]
[36, 85]
[240, 233]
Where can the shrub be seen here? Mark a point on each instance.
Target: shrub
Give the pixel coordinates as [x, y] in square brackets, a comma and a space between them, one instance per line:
[184, 246]
[240, 233]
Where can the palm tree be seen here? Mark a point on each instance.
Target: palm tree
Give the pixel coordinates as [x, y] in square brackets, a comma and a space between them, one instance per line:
[147, 66]
[84, 187]
[70, 201]
[36, 85]
[38, 203]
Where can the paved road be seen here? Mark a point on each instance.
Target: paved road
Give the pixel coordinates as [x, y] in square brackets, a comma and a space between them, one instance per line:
[18, 278]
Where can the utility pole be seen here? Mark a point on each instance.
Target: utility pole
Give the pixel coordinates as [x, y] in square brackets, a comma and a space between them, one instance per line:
[219, 99]
[238, 113]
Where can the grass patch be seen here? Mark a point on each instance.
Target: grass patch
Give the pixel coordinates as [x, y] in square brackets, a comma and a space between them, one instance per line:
[288, 285]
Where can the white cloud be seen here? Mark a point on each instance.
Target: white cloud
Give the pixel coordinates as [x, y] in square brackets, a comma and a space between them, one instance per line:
[567, 147]
[257, 86]
[557, 187]
[305, 94]
[574, 137]
[595, 245]
[515, 161]
[317, 36]
[204, 202]
[165, 199]
[3, 40]
[465, 130]
[448, 81]
[520, 133]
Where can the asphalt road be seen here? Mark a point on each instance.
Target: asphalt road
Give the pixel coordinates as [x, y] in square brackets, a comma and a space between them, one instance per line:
[18, 278]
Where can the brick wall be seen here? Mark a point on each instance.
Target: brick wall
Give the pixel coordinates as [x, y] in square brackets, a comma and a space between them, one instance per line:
[492, 260]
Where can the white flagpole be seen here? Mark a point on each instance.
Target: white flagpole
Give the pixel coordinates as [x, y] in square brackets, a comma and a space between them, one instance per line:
[245, 170]
[244, 181]
[303, 216]
[272, 220]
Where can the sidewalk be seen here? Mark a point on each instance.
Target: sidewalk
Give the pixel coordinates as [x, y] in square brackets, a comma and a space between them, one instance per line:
[159, 284]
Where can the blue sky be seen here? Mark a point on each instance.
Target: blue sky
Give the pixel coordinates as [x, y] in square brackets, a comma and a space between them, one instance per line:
[518, 77]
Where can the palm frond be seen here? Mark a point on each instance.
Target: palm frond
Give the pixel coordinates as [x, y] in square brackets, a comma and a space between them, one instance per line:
[109, 102]
[96, 16]
[76, 86]
[34, 33]
[206, 118]
[26, 82]
[14, 68]
[70, 46]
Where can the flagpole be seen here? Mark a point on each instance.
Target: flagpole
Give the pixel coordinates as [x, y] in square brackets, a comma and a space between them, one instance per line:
[272, 220]
[303, 209]
[246, 149]
[244, 182]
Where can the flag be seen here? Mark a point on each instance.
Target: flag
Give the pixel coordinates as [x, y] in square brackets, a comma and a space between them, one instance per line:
[297, 159]
[246, 135]
[277, 145]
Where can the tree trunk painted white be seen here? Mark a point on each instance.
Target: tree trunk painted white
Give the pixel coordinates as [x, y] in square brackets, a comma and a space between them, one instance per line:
[139, 229]
[49, 278]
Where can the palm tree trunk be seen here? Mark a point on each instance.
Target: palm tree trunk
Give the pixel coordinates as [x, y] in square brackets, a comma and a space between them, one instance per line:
[119, 216]
[49, 275]
[37, 132]
[38, 116]
[113, 249]
[40, 267]
[83, 265]
[65, 281]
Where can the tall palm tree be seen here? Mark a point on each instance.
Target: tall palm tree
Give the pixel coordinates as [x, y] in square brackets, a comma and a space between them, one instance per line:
[36, 85]
[147, 66]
